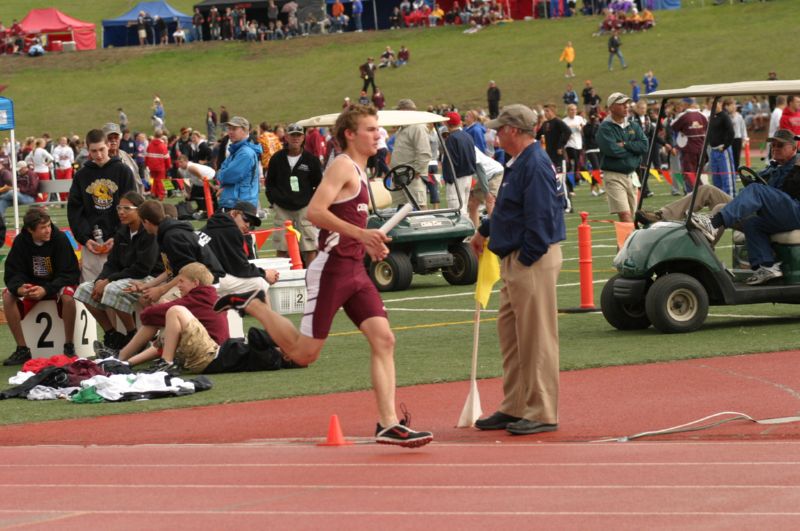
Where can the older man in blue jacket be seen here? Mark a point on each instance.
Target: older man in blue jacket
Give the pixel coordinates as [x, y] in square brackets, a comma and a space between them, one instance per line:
[524, 230]
[241, 171]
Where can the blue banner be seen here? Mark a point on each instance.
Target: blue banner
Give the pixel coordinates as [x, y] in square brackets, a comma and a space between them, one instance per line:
[6, 114]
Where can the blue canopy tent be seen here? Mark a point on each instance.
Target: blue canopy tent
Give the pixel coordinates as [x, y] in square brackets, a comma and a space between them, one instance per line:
[121, 31]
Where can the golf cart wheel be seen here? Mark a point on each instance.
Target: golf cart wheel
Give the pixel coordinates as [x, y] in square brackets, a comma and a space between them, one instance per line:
[677, 303]
[464, 270]
[393, 273]
[622, 316]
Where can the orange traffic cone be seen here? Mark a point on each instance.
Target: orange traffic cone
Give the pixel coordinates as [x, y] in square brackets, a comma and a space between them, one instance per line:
[335, 437]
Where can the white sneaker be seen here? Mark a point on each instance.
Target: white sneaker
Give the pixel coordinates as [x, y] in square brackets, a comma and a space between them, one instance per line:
[594, 193]
[703, 224]
[765, 274]
[601, 192]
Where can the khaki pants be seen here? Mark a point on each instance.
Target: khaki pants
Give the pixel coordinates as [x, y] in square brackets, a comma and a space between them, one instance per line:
[708, 196]
[91, 265]
[418, 191]
[527, 327]
[620, 192]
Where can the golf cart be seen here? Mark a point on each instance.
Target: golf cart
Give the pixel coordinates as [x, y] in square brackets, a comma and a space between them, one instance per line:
[426, 241]
[668, 272]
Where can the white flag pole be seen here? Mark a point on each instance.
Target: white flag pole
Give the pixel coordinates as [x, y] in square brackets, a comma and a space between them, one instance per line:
[472, 408]
[14, 180]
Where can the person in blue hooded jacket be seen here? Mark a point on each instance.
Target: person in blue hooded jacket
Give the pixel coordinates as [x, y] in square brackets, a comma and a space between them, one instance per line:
[240, 172]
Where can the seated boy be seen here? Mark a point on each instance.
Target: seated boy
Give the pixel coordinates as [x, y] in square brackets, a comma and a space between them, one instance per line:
[192, 330]
[133, 257]
[194, 337]
[179, 245]
[41, 265]
[224, 234]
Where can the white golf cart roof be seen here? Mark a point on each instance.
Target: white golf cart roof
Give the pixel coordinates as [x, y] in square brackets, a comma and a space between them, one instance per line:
[741, 88]
[385, 119]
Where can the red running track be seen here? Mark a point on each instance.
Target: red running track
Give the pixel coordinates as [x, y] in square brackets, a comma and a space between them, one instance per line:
[643, 485]
[234, 465]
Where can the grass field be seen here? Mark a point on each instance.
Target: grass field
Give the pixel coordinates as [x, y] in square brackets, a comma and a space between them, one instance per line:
[433, 324]
[288, 80]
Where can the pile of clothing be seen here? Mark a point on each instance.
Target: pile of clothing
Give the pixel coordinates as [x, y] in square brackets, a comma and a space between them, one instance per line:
[86, 381]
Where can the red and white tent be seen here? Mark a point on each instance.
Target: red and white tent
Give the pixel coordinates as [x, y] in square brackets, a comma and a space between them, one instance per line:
[60, 27]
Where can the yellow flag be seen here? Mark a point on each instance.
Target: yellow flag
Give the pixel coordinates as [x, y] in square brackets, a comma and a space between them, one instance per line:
[488, 274]
[295, 232]
[655, 174]
[586, 176]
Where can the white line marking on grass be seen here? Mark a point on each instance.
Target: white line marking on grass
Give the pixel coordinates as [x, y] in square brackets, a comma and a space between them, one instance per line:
[472, 293]
[445, 310]
[593, 257]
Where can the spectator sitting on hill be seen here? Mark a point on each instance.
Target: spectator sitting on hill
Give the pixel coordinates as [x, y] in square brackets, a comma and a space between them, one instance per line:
[436, 15]
[27, 187]
[387, 58]
[363, 99]
[403, 56]
[396, 19]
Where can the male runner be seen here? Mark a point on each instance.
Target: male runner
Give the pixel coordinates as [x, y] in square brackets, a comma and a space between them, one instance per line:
[337, 277]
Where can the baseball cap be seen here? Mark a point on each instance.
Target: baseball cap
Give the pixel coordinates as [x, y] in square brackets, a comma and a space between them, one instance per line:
[443, 130]
[453, 119]
[406, 105]
[249, 211]
[238, 121]
[517, 116]
[617, 97]
[295, 129]
[111, 129]
[783, 136]
[21, 164]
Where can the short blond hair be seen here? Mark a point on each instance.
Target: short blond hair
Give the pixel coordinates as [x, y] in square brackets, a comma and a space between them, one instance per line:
[198, 273]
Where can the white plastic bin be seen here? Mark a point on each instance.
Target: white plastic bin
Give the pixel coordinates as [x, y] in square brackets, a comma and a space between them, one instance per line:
[288, 294]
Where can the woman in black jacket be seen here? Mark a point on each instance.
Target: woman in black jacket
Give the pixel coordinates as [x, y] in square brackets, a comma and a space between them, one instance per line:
[133, 257]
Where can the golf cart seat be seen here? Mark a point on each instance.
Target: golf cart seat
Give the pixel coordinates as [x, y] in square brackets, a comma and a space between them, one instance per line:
[791, 237]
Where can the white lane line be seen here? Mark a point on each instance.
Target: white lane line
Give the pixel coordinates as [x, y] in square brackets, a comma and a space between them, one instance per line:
[408, 465]
[296, 512]
[441, 310]
[325, 486]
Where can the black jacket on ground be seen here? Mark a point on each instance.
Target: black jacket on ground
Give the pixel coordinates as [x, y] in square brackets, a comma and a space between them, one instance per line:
[308, 171]
[94, 196]
[227, 242]
[134, 257]
[180, 245]
[51, 265]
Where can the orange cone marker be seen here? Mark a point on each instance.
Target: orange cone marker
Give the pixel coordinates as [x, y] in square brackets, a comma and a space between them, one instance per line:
[335, 436]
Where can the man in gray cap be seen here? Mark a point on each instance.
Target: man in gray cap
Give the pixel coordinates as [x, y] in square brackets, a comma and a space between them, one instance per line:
[240, 173]
[412, 146]
[530, 260]
[622, 144]
[113, 137]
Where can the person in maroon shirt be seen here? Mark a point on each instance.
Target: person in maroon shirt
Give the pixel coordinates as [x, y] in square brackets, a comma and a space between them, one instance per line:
[790, 119]
[193, 331]
[337, 277]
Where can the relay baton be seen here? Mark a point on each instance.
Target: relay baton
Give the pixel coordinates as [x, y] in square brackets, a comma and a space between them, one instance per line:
[398, 216]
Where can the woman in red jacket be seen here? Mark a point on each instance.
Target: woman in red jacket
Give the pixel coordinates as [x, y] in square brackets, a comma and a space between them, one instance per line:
[158, 162]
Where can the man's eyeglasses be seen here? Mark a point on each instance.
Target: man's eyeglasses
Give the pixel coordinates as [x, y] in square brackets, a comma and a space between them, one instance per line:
[126, 208]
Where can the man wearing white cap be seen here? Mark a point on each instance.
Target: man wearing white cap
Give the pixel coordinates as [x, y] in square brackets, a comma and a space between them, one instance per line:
[622, 144]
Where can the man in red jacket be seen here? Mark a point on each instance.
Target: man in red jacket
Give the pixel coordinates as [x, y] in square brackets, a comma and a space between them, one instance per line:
[158, 162]
[790, 119]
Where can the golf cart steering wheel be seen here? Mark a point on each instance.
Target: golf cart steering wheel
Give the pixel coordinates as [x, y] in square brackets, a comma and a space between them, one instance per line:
[399, 177]
[748, 176]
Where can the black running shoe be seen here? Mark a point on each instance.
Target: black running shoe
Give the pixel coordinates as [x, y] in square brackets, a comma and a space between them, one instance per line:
[101, 351]
[162, 365]
[18, 357]
[69, 350]
[239, 301]
[401, 435]
[114, 340]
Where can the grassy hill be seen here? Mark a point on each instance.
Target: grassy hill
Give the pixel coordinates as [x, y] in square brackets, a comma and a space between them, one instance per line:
[285, 81]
